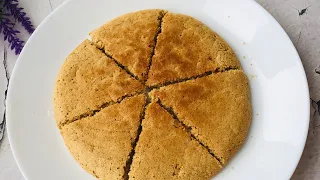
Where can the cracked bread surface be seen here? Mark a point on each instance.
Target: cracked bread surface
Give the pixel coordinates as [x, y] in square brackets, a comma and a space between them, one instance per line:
[155, 95]
[216, 107]
[130, 39]
[101, 144]
[186, 47]
[166, 151]
[88, 79]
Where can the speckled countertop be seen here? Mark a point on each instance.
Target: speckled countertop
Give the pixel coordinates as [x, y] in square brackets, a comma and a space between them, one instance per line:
[299, 18]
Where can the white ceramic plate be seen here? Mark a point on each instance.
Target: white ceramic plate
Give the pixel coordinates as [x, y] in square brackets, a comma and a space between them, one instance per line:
[279, 88]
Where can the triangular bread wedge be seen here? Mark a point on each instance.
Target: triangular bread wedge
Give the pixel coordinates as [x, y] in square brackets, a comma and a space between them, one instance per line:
[165, 150]
[101, 144]
[130, 39]
[216, 107]
[186, 48]
[87, 80]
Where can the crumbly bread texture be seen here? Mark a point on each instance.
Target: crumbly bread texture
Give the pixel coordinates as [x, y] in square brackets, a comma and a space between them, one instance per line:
[185, 48]
[216, 107]
[130, 39]
[166, 150]
[87, 80]
[101, 144]
[155, 95]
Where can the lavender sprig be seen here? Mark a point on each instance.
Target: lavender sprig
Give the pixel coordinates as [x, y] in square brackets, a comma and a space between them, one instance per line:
[6, 27]
[13, 9]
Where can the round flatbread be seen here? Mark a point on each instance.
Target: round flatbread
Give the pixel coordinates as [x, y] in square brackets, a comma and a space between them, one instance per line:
[154, 95]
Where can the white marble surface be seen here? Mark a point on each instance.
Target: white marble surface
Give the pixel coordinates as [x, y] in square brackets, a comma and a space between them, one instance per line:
[304, 31]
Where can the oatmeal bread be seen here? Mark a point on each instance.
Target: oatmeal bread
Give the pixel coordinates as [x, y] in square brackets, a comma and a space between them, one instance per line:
[216, 107]
[154, 95]
[130, 39]
[101, 144]
[87, 80]
[166, 150]
[185, 48]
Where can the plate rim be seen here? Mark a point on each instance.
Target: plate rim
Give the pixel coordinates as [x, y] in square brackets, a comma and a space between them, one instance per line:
[305, 81]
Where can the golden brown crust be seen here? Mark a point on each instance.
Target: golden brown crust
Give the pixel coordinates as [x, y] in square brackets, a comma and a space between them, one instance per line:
[130, 39]
[101, 144]
[166, 151]
[216, 107]
[88, 79]
[186, 47]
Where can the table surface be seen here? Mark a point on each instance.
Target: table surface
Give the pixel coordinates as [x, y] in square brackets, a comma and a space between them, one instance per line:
[304, 31]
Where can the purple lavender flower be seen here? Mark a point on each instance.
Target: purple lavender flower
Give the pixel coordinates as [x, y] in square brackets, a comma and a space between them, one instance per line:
[12, 7]
[6, 27]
